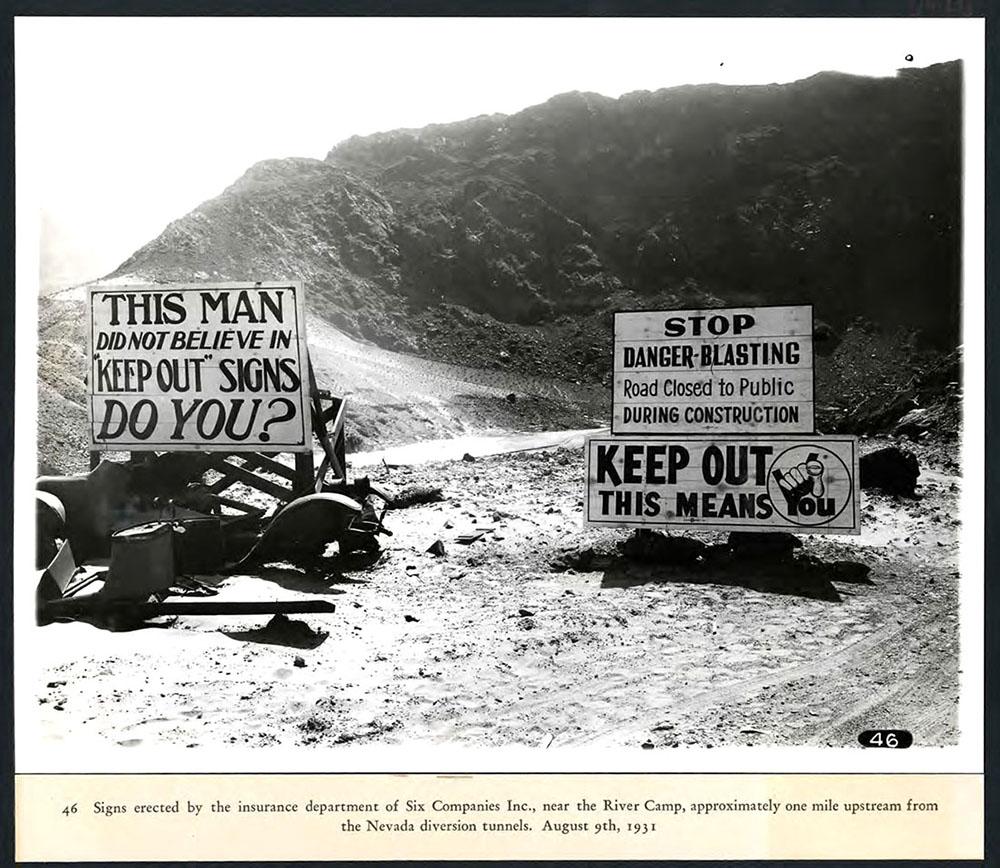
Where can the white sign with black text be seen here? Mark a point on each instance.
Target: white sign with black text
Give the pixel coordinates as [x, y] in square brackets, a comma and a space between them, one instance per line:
[716, 371]
[213, 367]
[794, 483]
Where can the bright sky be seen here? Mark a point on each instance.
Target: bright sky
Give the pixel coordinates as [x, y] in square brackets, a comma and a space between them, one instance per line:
[126, 124]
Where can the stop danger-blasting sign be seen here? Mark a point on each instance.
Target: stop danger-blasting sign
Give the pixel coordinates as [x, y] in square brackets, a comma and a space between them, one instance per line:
[718, 371]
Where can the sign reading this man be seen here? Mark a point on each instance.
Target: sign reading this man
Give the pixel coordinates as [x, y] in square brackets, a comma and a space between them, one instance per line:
[214, 367]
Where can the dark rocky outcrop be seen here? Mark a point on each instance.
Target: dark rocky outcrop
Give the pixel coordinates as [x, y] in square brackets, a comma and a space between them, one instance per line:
[518, 235]
[745, 544]
[893, 470]
[654, 547]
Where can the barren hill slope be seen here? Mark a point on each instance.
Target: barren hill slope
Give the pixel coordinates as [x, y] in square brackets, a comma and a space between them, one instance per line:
[504, 243]
[840, 190]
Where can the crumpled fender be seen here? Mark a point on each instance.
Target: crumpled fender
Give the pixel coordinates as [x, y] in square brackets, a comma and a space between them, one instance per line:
[306, 525]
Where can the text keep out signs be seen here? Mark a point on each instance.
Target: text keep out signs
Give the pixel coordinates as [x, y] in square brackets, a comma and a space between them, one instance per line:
[214, 367]
[725, 371]
[799, 484]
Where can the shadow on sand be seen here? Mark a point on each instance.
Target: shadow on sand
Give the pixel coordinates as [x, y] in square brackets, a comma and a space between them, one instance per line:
[768, 563]
[281, 630]
[317, 575]
[802, 576]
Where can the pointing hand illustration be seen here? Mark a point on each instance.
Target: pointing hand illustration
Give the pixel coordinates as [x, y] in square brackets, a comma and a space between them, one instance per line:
[802, 479]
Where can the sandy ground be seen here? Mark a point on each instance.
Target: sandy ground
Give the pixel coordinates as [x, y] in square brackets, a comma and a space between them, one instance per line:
[489, 645]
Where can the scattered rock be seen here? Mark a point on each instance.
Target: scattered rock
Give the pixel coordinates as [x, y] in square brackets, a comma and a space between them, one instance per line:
[825, 339]
[410, 619]
[849, 571]
[511, 398]
[412, 495]
[282, 630]
[468, 457]
[525, 613]
[655, 547]
[437, 549]
[893, 470]
[914, 424]
[585, 559]
[300, 662]
[763, 545]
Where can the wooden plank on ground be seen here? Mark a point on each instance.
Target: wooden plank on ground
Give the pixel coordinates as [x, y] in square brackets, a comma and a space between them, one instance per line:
[74, 607]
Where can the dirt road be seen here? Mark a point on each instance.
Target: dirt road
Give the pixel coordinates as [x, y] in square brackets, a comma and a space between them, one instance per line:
[489, 645]
[395, 398]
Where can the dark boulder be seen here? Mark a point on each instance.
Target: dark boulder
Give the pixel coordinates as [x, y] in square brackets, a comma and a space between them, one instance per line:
[584, 560]
[915, 423]
[414, 495]
[825, 339]
[747, 544]
[654, 547]
[893, 470]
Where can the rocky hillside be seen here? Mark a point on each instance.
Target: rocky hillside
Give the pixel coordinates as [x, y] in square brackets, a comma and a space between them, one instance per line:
[504, 243]
[516, 235]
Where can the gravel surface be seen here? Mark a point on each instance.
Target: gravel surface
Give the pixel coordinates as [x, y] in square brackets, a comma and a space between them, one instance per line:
[497, 643]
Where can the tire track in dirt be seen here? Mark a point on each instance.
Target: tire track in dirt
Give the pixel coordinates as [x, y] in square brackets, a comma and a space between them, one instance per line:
[921, 701]
[691, 712]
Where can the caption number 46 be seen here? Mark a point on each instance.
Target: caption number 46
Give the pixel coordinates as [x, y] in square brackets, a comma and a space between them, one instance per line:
[897, 738]
[69, 809]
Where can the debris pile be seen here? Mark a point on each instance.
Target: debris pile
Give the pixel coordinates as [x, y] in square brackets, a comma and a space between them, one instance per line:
[116, 544]
[282, 630]
[414, 495]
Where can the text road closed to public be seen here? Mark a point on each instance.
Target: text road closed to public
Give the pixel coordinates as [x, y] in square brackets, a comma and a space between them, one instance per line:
[715, 371]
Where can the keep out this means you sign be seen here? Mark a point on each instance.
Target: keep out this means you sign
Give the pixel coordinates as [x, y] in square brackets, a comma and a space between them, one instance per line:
[801, 484]
[715, 371]
[211, 367]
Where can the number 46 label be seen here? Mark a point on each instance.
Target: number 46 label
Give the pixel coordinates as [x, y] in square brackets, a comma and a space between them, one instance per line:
[893, 738]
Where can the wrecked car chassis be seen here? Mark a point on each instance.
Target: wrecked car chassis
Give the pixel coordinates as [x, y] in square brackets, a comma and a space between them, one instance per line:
[113, 544]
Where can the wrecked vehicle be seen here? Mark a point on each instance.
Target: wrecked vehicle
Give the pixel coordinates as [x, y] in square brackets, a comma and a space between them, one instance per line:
[121, 539]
